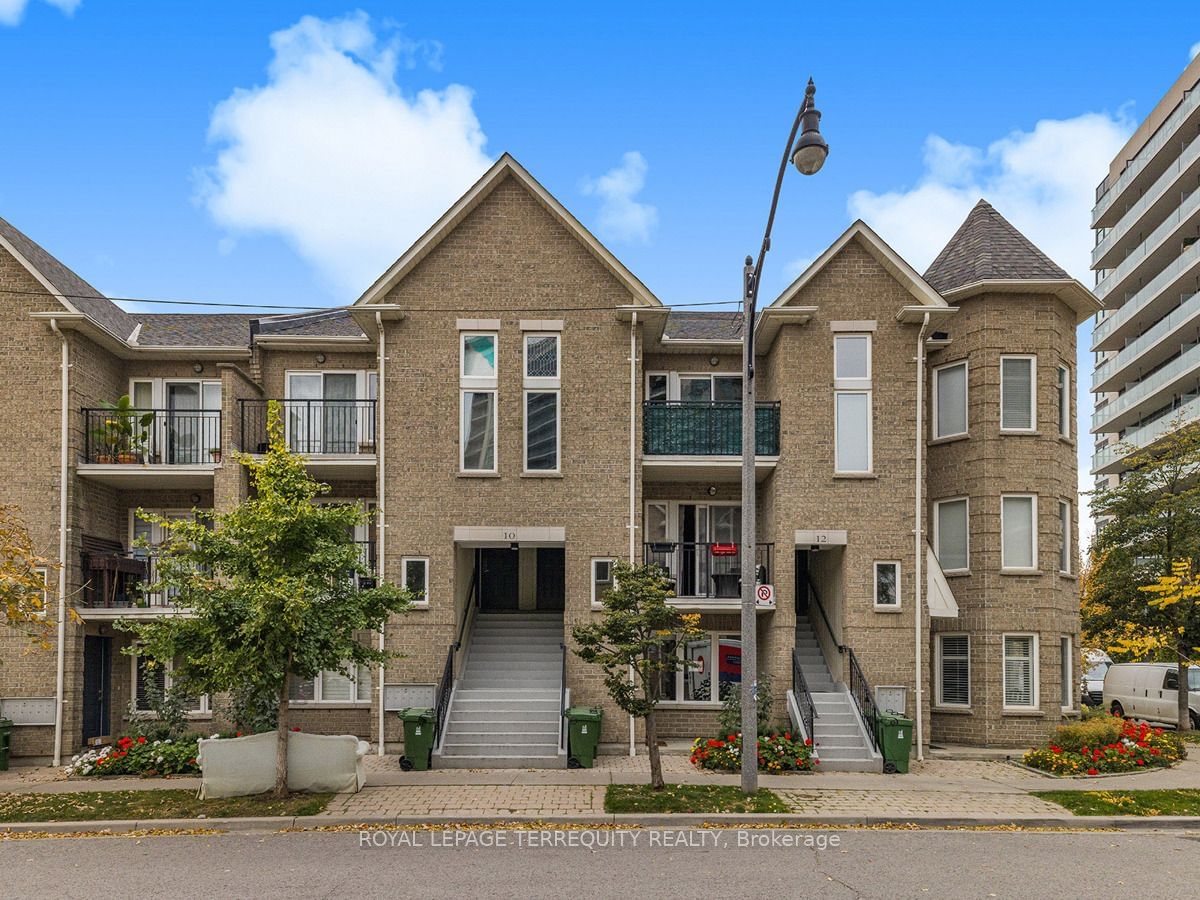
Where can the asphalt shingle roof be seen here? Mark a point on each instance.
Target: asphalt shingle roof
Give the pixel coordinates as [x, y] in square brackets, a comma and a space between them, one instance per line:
[704, 326]
[325, 323]
[194, 330]
[987, 247]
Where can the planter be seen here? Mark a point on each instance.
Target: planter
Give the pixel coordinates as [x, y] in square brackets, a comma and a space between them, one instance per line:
[106, 459]
[127, 458]
[216, 456]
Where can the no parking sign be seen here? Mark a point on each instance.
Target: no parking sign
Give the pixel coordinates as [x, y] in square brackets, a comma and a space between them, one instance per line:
[765, 594]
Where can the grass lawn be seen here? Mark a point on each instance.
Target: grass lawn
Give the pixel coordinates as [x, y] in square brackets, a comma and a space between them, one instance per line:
[80, 806]
[689, 798]
[1127, 803]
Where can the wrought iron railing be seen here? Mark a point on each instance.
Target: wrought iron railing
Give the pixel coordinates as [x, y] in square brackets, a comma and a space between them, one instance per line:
[671, 428]
[562, 701]
[860, 690]
[816, 601]
[123, 581]
[804, 700]
[151, 436]
[707, 570]
[336, 427]
[444, 689]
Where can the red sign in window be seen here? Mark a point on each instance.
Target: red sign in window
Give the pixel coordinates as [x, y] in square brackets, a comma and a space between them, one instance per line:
[723, 549]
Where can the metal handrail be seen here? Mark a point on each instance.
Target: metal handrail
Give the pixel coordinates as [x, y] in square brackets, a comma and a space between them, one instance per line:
[562, 701]
[860, 691]
[804, 700]
[339, 427]
[445, 686]
[708, 569]
[151, 436]
[706, 428]
[841, 648]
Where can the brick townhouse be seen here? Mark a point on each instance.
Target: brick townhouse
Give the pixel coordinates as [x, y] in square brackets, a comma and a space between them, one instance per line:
[521, 412]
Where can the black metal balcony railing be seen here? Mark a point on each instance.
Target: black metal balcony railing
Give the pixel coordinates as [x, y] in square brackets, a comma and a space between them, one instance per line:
[119, 581]
[671, 428]
[343, 427]
[707, 570]
[152, 436]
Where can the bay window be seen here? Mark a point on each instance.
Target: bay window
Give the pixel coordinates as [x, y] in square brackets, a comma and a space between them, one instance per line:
[953, 670]
[1064, 546]
[1018, 532]
[950, 400]
[1018, 394]
[1064, 401]
[1020, 671]
[951, 535]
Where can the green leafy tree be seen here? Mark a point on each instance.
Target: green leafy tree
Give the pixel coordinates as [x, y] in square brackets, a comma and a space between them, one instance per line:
[23, 586]
[635, 634]
[270, 590]
[1150, 523]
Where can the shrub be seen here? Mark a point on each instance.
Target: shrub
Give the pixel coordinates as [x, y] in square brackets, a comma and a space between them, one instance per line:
[776, 753]
[1101, 746]
[138, 755]
[730, 718]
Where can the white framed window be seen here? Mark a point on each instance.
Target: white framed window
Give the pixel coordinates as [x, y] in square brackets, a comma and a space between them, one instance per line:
[479, 432]
[1018, 394]
[852, 432]
[1066, 671]
[1064, 401]
[710, 387]
[543, 435]
[1064, 546]
[713, 672]
[43, 575]
[602, 579]
[950, 400]
[543, 359]
[952, 534]
[478, 365]
[887, 585]
[327, 411]
[160, 676]
[852, 359]
[187, 421]
[332, 686]
[415, 572]
[953, 670]
[1020, 671]
[658, 387]
[1018, 532]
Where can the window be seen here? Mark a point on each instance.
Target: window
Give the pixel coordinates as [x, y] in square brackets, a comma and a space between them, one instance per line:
[43, 576]
[953, 670]
[541, 431]
[1018, 401]
[415, 572]
[329, 412]
[852, 357]
[1064, 401]
[541, 356]
[950, 400]
[149, 680]
[479, 428]
[657, 387]
[1018, 527]
[709, 677]
[951, 535]
[1066, 681]
[710, 388]
[332, 686]
[602, 579]
[1064, 547]
[1020, 671]
[187, 423]
[887, 585]
[852, 432]
[478, 356]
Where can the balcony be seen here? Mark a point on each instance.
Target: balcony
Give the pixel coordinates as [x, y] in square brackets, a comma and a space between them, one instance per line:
[151, 447]
[337, 436]
[115, 587]
[1156, 251]
[707, 576]
[683, 440]
[1109, 459]
[1122, 410]
[1109, 372]
[1154, 299]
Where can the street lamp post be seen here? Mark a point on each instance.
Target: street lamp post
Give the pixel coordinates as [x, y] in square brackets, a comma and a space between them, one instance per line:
[808, 156]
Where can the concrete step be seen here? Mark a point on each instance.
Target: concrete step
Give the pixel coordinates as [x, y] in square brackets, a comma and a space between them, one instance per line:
[480, 735]
[850, 765]
[494, 761]
[824, 729]
[489, 715]
[496, 748]
[491, 695]
[836, 718]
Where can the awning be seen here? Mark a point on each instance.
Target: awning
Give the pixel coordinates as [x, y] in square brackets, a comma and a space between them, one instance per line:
[938, 595]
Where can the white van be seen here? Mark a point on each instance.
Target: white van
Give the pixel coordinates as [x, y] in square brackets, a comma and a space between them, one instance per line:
[1150, 691]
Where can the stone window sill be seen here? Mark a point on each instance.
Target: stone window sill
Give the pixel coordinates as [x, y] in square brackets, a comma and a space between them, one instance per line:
[953, 710]
[478, 474]
[855, 476]
[1024, 713]
[948, 439]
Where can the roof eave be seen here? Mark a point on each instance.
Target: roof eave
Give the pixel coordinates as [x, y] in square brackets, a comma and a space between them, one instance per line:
[88, 327]
[1069, 290]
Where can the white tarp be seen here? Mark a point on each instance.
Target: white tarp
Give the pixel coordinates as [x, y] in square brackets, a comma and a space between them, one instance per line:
[938, 595]
[234, 767]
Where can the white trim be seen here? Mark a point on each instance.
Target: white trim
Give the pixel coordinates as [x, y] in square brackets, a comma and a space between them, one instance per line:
[1065, 514]
[541, 382]
[937, 545]
[539, 325]
[1066, 672]
[939, 674]
[478, 324]
[1064, 401]
[319, 689]
[1033, 503]
[525, 470]
[462, 428]
[1033, 418]
[1033, 649]
[935, 419]
[205, 700]
[886, 607]
[714, 680]
[870, 469]
[855, 382]
[484, 382]
[404, 561]
[596, 604]
[854, 326]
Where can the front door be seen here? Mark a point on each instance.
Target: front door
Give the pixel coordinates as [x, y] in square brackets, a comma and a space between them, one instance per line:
[97, 685]
[551, 579]
[499, 579]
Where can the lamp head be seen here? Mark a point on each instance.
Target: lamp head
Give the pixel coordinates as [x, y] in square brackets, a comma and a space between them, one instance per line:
[811, 149]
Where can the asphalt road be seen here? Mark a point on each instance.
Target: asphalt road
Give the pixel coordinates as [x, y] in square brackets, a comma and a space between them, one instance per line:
[889, 864]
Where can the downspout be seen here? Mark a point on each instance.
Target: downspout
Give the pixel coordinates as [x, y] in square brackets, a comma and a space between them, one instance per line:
[380, 521]
[918, 535]
[632, 479]
[60, 676]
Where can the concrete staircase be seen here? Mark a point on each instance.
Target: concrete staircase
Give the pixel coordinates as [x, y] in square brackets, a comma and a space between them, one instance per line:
[505, 709]
[840, 740]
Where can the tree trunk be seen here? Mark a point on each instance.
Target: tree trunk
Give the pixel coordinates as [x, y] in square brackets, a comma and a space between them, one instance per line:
[656, 775]
[281, 745]
[1185, 715]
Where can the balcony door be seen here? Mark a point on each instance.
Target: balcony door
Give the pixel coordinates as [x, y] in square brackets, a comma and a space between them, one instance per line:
[698, 527]
[323, 412]
[193, 421]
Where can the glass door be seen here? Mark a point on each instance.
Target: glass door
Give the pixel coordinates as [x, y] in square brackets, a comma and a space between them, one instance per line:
[339, 412]
[183, 423]
[303, 412]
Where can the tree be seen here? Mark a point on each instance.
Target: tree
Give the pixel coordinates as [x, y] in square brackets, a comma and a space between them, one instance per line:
[1179, 593]
[23, 587]
[270, 591]
[1150, 521]
[637, 634]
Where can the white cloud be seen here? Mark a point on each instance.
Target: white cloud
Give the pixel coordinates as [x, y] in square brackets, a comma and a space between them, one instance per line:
[12, 11]
[621, 217]
[1043, 181]
[334, 157]
[1195, 51]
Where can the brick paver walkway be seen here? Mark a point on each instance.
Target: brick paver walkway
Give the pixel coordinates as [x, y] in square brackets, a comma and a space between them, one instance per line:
[893, 804]
[471, 800]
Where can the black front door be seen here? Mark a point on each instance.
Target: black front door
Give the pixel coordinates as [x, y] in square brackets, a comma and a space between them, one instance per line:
[97, 685]
[499, 582]
[551, 579]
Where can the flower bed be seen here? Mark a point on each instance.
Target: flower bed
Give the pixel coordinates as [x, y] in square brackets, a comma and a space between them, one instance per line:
[1103, 746]
[139, 756]
[776, 753]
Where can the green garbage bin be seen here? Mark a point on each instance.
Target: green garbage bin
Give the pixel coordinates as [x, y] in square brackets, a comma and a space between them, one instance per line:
[583, 735]
[6, 727]
[895, 741]
[418, 737]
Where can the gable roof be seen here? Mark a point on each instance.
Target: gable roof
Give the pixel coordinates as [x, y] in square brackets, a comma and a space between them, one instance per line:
[506, 166]
[987, 247]
[323, 323]
[71, 290]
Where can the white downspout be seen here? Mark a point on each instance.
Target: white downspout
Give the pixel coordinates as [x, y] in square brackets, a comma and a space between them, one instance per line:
[632, 480]
[918, 536]
[380, 508]
[60, 676]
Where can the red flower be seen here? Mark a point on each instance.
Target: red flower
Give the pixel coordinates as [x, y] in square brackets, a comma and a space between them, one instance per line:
[715, 742]
[1141, 762]
[1054, 749]
[1093, 771]
[816, 762]
[237, 734]
[142, 740]
[787, 736]
[731, 738]
[808, 742]
[295, 728]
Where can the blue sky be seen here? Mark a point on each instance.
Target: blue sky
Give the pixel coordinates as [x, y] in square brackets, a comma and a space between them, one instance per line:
[285, 153]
